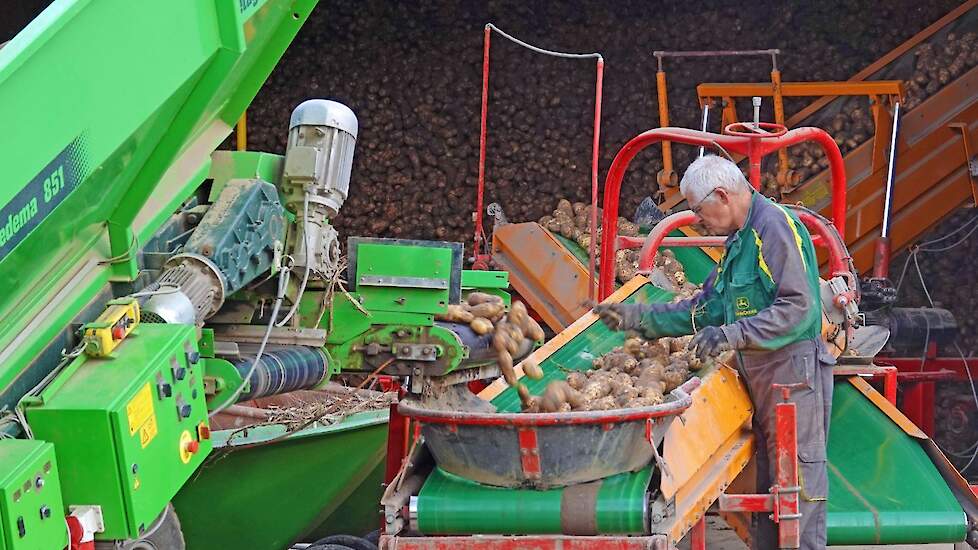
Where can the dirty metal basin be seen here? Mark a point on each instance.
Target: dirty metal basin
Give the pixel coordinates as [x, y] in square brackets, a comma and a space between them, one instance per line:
[546, 450]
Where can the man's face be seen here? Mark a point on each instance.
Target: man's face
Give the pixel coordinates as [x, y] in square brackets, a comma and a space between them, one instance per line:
[715, 212]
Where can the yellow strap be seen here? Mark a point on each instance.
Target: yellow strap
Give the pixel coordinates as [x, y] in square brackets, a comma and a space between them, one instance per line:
[760, 256]
[794, 229]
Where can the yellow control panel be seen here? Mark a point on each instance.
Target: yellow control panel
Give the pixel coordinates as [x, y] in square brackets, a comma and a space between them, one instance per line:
[112, 326]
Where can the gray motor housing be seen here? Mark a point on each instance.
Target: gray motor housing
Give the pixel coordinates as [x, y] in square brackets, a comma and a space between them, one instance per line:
[316, 179]
[238, 239]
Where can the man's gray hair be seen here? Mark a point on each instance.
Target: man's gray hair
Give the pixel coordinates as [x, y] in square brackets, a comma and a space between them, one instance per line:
[710, 172]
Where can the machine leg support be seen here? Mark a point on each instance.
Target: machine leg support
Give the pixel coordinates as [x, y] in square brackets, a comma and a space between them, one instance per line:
[783, 502]
[697, 537]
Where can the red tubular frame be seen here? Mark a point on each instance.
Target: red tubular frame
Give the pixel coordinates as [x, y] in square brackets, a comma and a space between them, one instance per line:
[480, 260]
[783, 501]
[755, 146]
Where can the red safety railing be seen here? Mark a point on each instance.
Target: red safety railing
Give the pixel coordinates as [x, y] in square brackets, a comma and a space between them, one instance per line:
[743, 139]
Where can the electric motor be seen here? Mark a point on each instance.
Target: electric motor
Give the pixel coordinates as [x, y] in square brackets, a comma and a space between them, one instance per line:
[316, 179]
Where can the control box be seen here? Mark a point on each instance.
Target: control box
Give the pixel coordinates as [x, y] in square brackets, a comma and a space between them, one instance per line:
[128, 429]
[32, 516]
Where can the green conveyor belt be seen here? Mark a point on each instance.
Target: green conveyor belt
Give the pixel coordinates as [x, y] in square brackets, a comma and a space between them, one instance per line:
[449, 504]
[883, 488]
[579, 353]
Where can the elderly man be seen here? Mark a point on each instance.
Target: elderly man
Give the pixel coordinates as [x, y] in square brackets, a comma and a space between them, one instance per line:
[762, 300]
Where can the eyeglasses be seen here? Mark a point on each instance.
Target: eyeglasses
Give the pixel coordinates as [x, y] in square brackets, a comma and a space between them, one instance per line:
[699, 205]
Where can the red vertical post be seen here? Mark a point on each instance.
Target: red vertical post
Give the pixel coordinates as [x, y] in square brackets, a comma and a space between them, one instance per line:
[592, 247]
[755, 164]
[480, 234]
[918, 405]
[397, 441]
[786, 510]
[890, 385]
[697, 537]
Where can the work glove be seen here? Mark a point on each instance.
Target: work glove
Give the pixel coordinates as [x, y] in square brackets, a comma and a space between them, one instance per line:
[621, 316]
[709, 342]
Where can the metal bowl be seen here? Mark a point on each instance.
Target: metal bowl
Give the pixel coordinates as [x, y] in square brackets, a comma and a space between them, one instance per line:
[545, 450]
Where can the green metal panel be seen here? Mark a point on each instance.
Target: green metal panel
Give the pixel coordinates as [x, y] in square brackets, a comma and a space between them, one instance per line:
[118, 437]
[279, 486]
[490, 282]
[360, 513]
[154, 87]
[229, 165]
[416, 276]
[450, 504]
[883, 488]
[29, 486]
[477, 278]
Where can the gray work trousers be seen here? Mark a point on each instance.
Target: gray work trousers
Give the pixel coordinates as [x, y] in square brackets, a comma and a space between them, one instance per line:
[807, 363]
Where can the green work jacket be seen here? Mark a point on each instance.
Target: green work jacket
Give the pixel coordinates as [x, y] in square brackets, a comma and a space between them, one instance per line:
[764, 292]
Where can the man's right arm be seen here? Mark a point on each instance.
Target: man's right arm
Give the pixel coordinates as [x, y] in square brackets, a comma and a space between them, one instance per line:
[684, 317]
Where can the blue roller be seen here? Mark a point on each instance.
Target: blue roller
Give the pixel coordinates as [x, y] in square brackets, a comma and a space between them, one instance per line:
[281, 370]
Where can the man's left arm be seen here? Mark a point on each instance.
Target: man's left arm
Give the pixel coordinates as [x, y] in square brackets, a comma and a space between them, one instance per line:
[783, 321]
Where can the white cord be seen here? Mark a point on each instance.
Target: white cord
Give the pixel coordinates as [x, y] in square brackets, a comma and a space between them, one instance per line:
[283, 282]
[66, 359]
[305, 276]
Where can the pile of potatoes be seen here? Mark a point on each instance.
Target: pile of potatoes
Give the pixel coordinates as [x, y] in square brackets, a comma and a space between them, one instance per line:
[573, 221]
[486, 313]
[638, 374]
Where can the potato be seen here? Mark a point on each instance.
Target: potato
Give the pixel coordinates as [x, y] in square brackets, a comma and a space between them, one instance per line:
[576, 380]
[477, 298]
[481, 325]
[640, 402]
[518, 315]
[533, 330]
[489, 310]
[596, 388]
[603, 404]
[455, 313]
[501, 338]
[532, 370]
[633, 347]
[656, 391]
[673, 379]
[505, 361]
[564, 207]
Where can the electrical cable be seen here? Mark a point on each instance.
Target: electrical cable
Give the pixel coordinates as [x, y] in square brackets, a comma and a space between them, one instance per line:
[305, 276]
[66, 359]
[971, 382]
[283, 283]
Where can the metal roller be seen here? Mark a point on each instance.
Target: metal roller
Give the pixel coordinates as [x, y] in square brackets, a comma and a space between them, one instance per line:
[282, 370]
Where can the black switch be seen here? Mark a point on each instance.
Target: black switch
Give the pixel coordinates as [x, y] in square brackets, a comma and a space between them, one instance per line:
[184, 410]
[179, 373]
[164, 390]
[45, 512]
[193, 357]
[21, 528]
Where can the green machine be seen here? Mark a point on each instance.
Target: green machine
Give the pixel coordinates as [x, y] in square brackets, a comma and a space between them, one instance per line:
[154, 283]
[30, 497]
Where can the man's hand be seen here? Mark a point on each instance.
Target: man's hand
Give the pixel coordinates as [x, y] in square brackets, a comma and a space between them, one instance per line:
[620, 316]
[709, 342]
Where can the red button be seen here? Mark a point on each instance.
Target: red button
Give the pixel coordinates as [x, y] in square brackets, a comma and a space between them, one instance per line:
[118, 333]
[193, 447]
